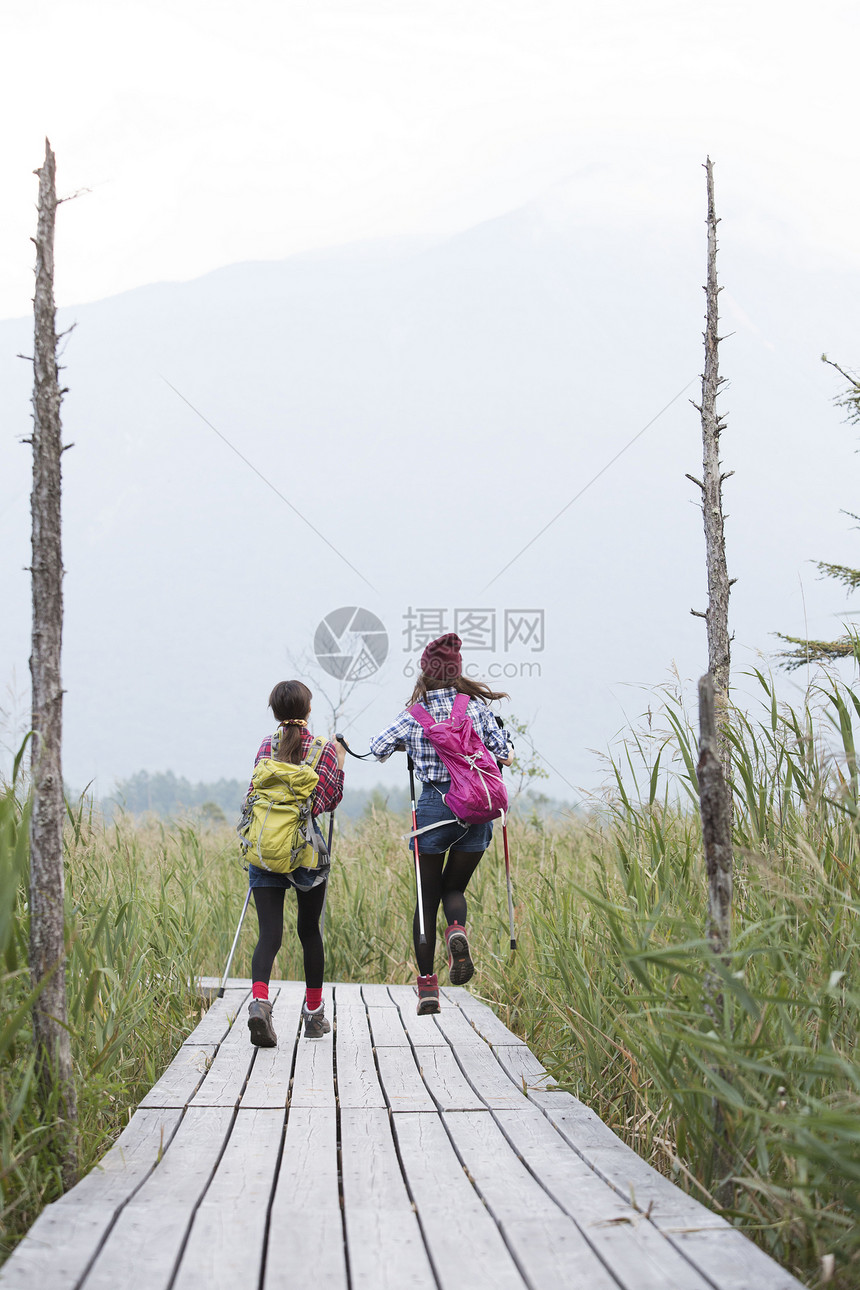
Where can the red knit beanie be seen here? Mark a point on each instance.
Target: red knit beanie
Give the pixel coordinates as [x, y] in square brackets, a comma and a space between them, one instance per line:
[441, 659]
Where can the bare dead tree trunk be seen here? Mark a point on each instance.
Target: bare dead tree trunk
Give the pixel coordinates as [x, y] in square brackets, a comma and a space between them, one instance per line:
[715, 803]
[47, 942]
[711, 484]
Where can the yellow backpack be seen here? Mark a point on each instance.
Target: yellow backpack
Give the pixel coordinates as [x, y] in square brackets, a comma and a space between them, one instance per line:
[277, 830]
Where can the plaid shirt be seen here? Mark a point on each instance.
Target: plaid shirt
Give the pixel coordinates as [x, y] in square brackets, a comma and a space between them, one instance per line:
[329, 790]
[406, 733]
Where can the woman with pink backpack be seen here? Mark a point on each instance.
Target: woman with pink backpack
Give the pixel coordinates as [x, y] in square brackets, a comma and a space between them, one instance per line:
[457, 746]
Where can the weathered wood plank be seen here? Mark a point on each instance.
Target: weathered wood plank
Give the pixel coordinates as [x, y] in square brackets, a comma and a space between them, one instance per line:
[182, 1078]
[348, 995]
[487, 1078]
[521, 1065]
[218, 1019]
[402, 1084]
[386, 1251]
[464, 1241]
[225, 1245]
[631, 1247]
[357, 1080]
[231, 1066]
[729, 1261]
[447, 1084]
[549, 1248]
[141, 1250]
[422, 1031]
[377, 996]
[313, 1078]
[456, 1027]
[67, 1235]
[482, 1017]
[269, 1080]
[306, 1238]
[387, 1028]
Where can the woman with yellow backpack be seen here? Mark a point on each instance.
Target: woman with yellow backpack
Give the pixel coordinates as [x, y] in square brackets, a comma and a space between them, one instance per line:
[296, 778]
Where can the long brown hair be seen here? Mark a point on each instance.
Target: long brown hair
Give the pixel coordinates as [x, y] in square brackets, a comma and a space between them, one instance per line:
[462, 684]
[290, 701]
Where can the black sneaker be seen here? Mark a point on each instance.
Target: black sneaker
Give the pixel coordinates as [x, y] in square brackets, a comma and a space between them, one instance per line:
[315, 1023]
[460, 966]
[260, 1024]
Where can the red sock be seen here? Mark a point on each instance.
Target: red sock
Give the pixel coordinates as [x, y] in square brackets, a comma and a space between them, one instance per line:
[313, 998]
[260, 990]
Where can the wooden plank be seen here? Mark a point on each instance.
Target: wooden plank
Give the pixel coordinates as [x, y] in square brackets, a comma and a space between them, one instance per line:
[729, 1261]
[386, 1250]
[447, 1084]
[225, 1245]
[456, 1027]
[521, 1065]
[404, 1088]
[422, 1031]
[182, 1078]
[218, 1018]
[387, 1028]
[348, 995]
[463, 1239]
[482, 1017]
[226, 1077]
[357, 1080]
[306, 1241]
[487, 1078]
[269, 1081]
[313, 1078]
[67, 1235]
[549, 1248]
[631, 1247]
[377, 996]
[142, 1249]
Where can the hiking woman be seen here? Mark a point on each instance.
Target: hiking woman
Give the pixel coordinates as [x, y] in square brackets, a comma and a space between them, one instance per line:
[290, 702]
[444, 877]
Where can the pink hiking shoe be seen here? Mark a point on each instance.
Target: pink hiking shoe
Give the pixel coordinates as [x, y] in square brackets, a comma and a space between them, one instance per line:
[428, 995]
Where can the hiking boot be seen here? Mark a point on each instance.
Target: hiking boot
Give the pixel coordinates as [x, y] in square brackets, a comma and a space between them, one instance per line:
[260, 1024]
[460, 966]
[428, 995]
[315, 1023]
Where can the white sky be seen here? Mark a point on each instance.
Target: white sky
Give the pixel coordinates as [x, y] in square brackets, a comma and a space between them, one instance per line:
[210, 132]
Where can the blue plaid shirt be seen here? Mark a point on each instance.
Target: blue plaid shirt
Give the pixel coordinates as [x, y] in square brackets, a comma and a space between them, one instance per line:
[406, 733]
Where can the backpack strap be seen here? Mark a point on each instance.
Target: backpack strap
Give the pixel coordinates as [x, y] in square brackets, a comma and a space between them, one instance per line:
[314, 752]
[422, 716]
[458, 710]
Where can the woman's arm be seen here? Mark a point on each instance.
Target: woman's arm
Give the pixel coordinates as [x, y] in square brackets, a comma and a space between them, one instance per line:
[393, 738]
[329, 791]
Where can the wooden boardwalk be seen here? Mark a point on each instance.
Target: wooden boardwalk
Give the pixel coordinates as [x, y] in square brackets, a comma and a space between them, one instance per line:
[398, 1153]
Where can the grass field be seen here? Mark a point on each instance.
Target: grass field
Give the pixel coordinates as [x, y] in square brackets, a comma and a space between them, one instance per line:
[612, 984]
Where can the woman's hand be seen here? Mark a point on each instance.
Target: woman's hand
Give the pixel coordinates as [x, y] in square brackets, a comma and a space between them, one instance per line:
[340, 753]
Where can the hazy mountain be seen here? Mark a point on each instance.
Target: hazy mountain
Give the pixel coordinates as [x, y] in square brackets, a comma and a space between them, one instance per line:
[428, 408]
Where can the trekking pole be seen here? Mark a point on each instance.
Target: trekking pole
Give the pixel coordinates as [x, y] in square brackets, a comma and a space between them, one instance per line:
[511, 927]
[422, 938]
[235, 943]
[325, 893]
[508, 877]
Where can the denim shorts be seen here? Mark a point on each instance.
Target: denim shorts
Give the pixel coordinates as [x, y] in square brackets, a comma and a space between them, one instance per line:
[302, 879]
[430, 809]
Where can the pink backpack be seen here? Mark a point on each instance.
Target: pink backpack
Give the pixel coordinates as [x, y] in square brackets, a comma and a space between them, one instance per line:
[477, 791]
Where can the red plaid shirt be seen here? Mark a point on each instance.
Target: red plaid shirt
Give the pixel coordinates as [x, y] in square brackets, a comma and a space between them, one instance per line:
[329, 790]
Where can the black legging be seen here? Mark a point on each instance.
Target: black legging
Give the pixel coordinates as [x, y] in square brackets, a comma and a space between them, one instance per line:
[446, 885]
[270, 914]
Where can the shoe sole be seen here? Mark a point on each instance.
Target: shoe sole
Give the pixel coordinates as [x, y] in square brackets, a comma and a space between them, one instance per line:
[428, 1006]
[261, 1035]
[460, 968]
